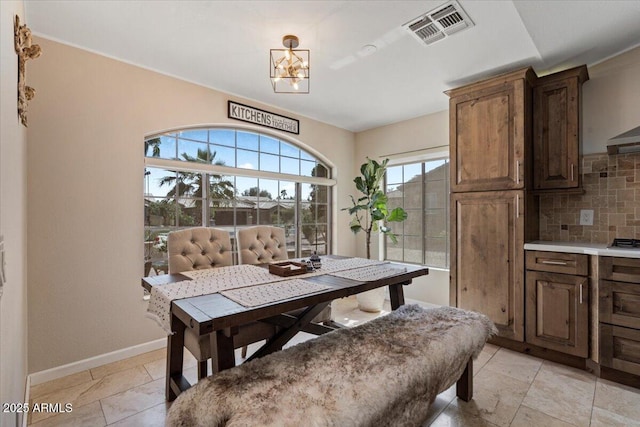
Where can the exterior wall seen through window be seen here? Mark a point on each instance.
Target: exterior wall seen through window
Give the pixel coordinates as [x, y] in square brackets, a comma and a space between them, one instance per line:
[422, 190]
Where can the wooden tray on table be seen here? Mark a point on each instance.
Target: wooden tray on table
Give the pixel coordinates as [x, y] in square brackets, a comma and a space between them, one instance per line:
[287, 268]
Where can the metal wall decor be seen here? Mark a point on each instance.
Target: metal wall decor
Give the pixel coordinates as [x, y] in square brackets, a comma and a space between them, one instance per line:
[25, 50]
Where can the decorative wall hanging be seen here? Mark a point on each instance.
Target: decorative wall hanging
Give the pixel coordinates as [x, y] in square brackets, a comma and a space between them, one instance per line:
[263, 118]
[25, 50]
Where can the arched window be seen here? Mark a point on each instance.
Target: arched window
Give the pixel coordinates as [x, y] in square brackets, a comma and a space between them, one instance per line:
[231, 178]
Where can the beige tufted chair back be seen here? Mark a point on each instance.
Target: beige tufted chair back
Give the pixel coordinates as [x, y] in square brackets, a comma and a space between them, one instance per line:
[198, 248]
[261, 244]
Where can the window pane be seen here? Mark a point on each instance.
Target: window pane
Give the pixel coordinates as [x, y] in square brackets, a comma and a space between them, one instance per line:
[247, 140]
[269, 145]
[289, 150]
[191, 151]
[307, 168]
[413, 194]
[412, 171]
[221, 187]
[437, 170]
[413, 249]
[163, 147]
[435, 223]
[221, 213]
[320, 171]
[436, 252]
[287, 190]
[306, 156]
[159, 212]
[224, 156]
[413, 223]
[290, 165]
[195, 134]
[394, 174]
[269, 163]
[286, 213]
[157, 182]
[394, 250]
[222, 137]
[190, 211]
[436, 194]
[247, 159]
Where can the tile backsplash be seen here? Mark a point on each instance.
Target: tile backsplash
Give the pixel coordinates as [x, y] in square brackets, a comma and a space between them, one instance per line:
[612, 190]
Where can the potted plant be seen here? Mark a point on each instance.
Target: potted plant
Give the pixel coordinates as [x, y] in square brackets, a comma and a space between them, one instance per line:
[370, 214]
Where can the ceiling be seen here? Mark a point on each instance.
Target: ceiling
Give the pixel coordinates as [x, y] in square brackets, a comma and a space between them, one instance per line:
[225, 45]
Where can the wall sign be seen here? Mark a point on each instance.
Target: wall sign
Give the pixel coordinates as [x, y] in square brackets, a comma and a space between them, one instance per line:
[263, 118]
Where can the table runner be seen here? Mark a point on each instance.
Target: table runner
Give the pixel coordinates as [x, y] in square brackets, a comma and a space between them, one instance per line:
[223, 279]
[271, 292]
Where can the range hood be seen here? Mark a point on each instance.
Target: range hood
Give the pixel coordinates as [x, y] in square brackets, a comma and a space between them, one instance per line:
[628, 142]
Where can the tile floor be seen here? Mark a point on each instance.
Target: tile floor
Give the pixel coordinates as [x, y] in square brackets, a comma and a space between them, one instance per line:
[510, 389]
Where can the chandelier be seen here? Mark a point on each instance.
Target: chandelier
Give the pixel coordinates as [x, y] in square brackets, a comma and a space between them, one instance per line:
[290, 67]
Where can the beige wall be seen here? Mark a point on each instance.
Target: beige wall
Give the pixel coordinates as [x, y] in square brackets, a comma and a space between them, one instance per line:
[611, 100]
[85, 192]
[408, 136]
[13, 201]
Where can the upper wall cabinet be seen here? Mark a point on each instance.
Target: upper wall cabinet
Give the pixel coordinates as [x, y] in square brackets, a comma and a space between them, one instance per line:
[556, 130]
[490, 133]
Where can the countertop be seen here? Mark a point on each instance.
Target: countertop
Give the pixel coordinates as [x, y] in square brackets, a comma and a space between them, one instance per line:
[599, 249]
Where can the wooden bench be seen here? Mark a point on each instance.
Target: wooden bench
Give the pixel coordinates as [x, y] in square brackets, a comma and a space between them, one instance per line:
[384, 372]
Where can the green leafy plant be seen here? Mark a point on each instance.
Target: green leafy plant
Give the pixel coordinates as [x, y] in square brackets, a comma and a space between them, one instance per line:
[370, 211]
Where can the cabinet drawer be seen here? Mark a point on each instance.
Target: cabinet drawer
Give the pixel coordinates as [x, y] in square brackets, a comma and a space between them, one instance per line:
[620, 348]
[620, 303]
[558, 262]
[619, 269]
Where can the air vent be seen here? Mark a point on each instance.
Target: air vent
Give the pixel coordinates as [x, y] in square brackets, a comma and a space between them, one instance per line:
[439, 23]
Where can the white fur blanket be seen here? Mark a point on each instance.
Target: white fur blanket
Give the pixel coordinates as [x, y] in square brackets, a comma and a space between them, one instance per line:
[383, 373]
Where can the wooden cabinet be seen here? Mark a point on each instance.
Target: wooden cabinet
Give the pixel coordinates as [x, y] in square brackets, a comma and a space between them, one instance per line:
[487, 261]
[556, 129]
[557, 304]
[619, 313]
[490, 133]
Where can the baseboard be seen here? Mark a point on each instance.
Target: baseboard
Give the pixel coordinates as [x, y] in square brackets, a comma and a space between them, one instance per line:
[93, 362]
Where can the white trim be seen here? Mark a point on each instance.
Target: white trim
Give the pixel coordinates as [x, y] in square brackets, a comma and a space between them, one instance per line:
[415, 156]
[227, 170]
[27, 393]
[93, 362]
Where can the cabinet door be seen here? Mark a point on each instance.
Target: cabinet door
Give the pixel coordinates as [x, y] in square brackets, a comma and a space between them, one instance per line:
[558, 312]
[620, 348]
[556, 129]
[487, 263]
[487, 138]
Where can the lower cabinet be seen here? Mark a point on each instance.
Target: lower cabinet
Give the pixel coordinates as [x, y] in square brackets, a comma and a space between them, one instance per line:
[557, 305]
[620, 348]
[619, 313]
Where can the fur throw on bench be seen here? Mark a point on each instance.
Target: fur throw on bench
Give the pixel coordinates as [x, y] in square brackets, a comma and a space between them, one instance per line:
[383, 373]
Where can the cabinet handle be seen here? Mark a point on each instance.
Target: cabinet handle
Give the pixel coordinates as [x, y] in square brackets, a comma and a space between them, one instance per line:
[518, 172]
[553, 262]
[572, 166]
[580, 293]
[517, 206]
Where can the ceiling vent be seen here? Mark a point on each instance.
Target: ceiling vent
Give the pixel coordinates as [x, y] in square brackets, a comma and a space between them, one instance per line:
[439, 23]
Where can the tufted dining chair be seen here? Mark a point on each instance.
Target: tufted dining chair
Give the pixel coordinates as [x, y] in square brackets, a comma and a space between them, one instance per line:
[200, 248]
[263, 244]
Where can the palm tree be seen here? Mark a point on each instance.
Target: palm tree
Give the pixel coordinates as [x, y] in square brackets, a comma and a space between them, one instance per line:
[190, 184]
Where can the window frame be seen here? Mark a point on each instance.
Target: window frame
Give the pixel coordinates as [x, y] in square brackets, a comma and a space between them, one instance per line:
[305, 155]
[421, 158]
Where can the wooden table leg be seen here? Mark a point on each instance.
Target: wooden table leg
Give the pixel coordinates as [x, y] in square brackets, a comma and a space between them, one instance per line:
[396, 294]
[175, 350]
[222, 351]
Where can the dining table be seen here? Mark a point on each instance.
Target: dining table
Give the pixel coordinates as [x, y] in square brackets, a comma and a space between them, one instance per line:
[219, 311]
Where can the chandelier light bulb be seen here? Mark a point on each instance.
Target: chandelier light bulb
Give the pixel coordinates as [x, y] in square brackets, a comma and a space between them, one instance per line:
[295, 86]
